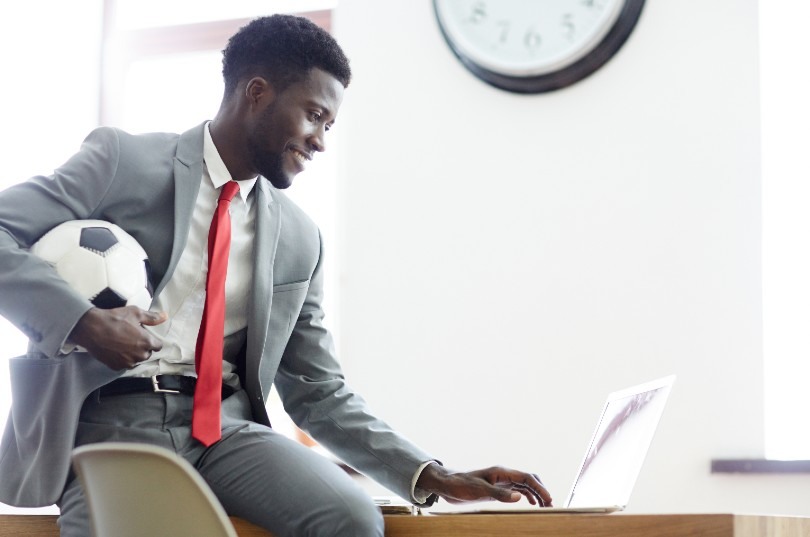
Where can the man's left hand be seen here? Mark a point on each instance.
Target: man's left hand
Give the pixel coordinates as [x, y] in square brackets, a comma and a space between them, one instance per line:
[495, 483]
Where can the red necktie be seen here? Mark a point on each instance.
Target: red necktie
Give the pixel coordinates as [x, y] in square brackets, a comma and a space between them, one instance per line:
[205, 422]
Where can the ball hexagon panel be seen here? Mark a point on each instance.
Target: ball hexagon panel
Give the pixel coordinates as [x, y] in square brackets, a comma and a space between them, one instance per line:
[109, 299]
[84, 270]
[126, 273]
[142, 299]
[56, 243]
[100, 239]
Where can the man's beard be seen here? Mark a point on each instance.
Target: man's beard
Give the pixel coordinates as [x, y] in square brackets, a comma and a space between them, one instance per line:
[269, 165]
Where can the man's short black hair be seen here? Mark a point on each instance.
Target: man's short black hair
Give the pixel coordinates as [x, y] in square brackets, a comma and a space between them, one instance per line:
[282, 49]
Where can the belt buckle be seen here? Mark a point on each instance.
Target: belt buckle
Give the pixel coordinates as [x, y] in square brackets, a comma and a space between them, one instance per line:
[156, 386]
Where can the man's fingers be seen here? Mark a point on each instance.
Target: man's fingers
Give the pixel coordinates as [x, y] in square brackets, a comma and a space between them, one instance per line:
[539, 489]
[515, 492]
[528, 485]
[503, 494]
[532, 495]
[151, 318]
[153, 342]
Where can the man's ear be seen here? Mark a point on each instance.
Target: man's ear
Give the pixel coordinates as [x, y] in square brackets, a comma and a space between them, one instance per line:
[259, 90]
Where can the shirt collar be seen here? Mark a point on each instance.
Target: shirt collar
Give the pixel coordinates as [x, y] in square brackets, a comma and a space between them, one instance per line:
[217, 170]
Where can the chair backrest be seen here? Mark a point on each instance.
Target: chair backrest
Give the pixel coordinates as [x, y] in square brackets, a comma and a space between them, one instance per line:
[137, 490]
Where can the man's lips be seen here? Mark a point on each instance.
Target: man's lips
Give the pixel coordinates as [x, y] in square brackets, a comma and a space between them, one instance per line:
[301, 156]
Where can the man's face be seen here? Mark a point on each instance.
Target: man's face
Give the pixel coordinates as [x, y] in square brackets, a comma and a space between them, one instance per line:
[290, 129]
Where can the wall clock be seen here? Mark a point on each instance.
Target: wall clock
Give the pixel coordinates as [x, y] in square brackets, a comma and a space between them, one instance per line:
[535, 46]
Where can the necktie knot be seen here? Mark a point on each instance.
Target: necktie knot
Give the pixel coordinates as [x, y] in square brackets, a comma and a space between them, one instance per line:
[229, 190]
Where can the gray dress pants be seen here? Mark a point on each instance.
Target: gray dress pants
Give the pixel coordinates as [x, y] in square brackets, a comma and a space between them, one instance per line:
[257, 474]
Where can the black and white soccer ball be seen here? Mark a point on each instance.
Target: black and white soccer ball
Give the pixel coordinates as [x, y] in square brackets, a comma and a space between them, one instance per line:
[101, 261]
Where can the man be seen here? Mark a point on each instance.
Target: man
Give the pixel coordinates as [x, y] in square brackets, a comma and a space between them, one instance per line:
[284, 83]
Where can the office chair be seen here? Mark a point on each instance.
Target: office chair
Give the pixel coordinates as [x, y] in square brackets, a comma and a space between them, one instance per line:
[137, 490]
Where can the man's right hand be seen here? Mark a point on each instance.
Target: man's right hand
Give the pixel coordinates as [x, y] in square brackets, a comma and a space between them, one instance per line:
[116, 337]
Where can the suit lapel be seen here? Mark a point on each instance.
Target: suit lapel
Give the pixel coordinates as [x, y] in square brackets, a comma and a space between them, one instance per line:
[188, 163]
[268, 228]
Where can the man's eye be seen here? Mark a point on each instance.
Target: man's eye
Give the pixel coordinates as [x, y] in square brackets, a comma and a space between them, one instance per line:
[314, 116]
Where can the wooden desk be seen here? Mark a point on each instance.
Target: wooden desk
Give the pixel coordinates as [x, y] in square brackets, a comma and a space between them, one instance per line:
[615, 525]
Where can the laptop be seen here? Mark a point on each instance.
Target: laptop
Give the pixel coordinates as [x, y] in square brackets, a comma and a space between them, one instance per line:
[613, 460]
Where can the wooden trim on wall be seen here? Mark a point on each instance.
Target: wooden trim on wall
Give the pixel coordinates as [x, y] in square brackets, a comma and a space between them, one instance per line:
[121, 48]
[198, 36]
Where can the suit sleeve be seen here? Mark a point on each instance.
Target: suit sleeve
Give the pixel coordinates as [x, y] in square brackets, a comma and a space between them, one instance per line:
[32, 296]
[314, 392]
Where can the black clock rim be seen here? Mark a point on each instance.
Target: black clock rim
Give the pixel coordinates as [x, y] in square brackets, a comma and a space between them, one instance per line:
[568, 75]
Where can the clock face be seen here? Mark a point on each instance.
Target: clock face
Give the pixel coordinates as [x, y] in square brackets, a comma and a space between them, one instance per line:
[535, 45]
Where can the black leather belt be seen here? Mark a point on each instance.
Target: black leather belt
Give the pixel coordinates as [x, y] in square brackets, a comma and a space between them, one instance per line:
[178, 384]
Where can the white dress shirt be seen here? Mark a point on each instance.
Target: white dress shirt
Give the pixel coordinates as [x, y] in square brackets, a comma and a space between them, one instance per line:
[183, 297]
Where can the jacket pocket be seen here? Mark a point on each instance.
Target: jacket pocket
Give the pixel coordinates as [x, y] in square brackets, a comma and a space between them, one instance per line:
[292, 286]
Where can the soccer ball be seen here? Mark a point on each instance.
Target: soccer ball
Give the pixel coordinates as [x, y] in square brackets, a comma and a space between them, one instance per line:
[101, 261]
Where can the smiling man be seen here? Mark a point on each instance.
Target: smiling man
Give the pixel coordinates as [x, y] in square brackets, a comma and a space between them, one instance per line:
[193, 373]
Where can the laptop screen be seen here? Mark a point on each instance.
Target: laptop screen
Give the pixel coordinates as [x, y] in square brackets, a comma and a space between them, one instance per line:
[619, 445]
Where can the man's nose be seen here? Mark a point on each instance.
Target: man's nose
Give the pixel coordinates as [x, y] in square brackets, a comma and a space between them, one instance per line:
[317, 140]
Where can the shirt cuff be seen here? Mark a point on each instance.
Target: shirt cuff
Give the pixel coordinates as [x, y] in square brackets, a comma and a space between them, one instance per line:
[418, 495]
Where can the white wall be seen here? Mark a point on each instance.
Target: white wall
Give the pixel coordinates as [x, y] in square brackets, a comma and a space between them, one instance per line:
[507, 260]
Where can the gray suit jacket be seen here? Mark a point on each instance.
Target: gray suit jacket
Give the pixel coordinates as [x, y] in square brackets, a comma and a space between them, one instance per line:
[148, 184]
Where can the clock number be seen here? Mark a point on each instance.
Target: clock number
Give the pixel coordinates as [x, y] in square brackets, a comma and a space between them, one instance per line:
[590, 4]
[479, 12]
[569, 28]
[504, 31]
[532, 39]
